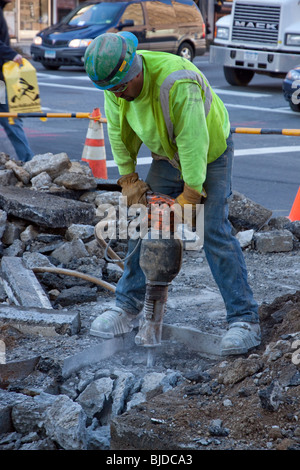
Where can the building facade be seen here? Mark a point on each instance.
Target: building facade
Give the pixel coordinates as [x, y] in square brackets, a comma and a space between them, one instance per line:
[25, 18]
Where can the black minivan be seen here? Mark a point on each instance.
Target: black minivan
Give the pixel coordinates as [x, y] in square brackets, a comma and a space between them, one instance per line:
[174, 26]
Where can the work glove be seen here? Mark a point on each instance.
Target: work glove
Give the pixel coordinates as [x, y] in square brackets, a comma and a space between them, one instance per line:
[134, 189]
[188, 196]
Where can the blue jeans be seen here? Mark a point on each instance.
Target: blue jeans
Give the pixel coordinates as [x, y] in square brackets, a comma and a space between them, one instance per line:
[222, 250]
[16, 135]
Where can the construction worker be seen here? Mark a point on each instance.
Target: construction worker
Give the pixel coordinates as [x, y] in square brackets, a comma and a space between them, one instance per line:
[165, 102]
[15, 132]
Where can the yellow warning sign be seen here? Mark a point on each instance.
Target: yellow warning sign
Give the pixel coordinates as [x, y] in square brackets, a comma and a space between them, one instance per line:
[22, 87]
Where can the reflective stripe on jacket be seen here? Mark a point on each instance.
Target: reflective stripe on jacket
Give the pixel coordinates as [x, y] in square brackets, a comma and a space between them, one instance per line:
[206, 142]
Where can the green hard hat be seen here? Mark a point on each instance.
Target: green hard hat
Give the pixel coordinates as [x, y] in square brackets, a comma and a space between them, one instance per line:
[108, 58]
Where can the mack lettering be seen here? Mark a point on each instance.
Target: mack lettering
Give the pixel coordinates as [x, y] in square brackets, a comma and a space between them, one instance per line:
[256, 24]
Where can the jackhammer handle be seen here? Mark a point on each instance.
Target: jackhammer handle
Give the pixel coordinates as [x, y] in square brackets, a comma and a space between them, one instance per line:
[159, 198]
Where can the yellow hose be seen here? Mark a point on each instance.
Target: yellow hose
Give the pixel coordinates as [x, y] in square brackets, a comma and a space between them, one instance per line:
[86, 277]
[110, 252]
[70, 272]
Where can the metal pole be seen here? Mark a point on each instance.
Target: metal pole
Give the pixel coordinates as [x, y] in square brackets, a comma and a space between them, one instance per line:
[52, 115]
[253, 130]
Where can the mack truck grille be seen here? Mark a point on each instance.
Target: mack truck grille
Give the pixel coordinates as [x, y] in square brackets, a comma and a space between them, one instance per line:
[256, 23]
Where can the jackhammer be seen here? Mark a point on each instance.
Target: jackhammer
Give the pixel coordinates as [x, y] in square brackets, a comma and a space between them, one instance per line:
[160, 260]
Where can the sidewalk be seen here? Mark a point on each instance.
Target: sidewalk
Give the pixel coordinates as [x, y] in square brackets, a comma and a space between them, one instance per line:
[23, 46]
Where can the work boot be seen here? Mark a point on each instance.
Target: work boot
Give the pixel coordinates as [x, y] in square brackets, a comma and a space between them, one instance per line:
[113, 322]
[240, 338]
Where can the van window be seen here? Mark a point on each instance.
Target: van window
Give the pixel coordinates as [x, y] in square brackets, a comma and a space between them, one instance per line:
[102, 13]
[134, 12]
[160, 13]
[187, 13]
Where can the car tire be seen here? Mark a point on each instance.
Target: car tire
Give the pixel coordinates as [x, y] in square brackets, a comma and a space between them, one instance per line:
[186, 51]
[50, 67]
[238, 77]
[294, 107]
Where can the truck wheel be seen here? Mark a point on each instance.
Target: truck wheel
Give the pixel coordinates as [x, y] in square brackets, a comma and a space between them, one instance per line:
[186, 51]
[294, 107]
[238, 77]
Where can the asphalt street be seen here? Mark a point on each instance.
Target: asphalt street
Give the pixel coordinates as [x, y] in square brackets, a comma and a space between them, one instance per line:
[266, 167]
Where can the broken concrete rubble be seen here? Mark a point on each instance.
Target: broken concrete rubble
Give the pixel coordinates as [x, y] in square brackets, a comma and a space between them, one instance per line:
[98, 396]
[276, 240]
[57, 418]
[247, 214]
[255, 398]
[39, 321]
[21, 284]
[54, 165]
[43, 209]
[86, 393]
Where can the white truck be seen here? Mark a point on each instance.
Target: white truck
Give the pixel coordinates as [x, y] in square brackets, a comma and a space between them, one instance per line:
[259, 36]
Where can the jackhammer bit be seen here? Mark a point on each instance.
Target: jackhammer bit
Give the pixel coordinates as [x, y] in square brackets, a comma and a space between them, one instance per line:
[160, 260]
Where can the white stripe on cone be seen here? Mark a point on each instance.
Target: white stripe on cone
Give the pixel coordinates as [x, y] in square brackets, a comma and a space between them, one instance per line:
[95, 132]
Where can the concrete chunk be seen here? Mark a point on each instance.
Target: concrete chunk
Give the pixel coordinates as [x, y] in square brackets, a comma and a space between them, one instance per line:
[74, 180]
[245, 237]
[95, 396]
[28, 414]
[65, 423]
[11, 233]
[7, 401]
[39, 321]
[247, 214]
[274, 241]
[7, 178]
[21, 284]
[41, 181]
[18, 170]
[295, 228]
[3, 220]
[44, 209]
[69, 251]
[122, 388]
[52, 164]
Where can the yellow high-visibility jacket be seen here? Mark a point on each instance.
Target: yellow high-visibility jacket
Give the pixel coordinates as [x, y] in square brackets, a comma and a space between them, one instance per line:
[177, 116]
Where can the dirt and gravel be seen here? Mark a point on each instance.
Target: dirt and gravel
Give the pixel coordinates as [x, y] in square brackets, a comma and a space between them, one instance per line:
[250, 402]
[245, 403]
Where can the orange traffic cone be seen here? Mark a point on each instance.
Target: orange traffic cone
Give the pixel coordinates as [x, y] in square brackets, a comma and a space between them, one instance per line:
[295, 211]
[94, 148]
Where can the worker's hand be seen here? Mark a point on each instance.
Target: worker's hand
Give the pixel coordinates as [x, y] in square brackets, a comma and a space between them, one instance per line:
[19, 59]
[189, 196]
[134, 189]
